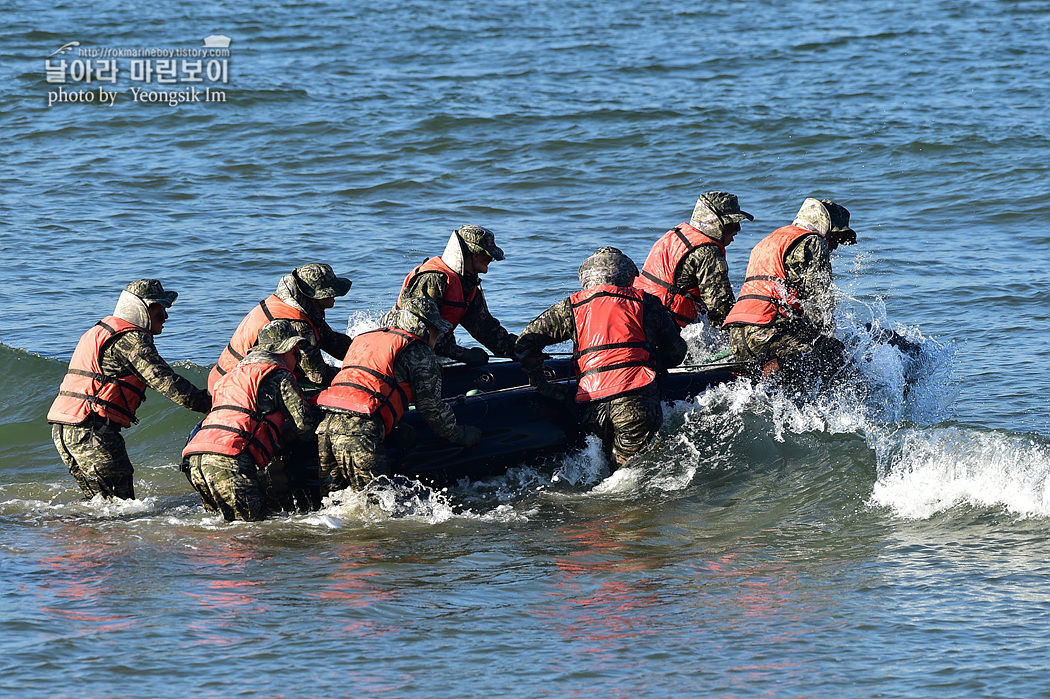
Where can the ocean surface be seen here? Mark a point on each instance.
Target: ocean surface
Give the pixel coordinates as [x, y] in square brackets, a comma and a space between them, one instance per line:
[890, 540]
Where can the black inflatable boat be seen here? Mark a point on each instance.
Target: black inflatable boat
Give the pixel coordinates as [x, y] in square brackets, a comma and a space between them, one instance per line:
[518, 424]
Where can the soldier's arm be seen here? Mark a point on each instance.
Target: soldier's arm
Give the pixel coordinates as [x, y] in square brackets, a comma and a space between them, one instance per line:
[136, 351]
[664, 333]
[809, 267]
[311, 361]
[548, 328]
[419, 366]
[706, 267]
[289, 397]
[484, 328]
[333, 342]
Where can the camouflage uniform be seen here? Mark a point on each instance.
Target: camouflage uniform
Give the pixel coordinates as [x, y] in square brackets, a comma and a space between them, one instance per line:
[234, 485]
[706, 267]
[477, 320]
[808, 269]
[94, 450]
[350, 445]
[627, 422]
[295, 289]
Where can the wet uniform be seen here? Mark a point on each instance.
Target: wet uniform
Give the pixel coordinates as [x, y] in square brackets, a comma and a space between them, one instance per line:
[627, 422]
[94, 450]
[234, 485]
[477, 320]
[350, 444]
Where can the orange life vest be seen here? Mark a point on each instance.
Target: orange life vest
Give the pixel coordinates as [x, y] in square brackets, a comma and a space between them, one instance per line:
[247, 334]
[766, 292]
[235, 423]
[612, 355]
[454, 306]
[86, 390]
[662, 266]
[366, 383]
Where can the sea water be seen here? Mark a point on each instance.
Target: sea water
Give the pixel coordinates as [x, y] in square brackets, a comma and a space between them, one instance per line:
[888, 539]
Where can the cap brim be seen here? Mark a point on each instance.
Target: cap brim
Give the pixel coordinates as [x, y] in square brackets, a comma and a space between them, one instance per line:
[497, 253]
[738, 217]
[847, 236]
[166, 300]
[340, 287]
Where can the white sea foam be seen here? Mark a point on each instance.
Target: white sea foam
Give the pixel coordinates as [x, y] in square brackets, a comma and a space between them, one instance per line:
[925, 471]
[384, 499]
[583, 467]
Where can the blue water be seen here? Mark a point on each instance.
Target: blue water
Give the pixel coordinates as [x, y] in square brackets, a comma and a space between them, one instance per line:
[885, 542]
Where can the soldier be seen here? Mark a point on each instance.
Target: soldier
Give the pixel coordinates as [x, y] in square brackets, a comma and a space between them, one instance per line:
[622, 338]
[112, 365]
[452, 281]
[254, 401]
[686, 268]
[784, 316]
[301, 297]
[384, 371]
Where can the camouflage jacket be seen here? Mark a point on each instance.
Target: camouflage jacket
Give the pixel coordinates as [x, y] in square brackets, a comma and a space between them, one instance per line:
[335, 343]
[135, 352]
[556, 325]
[706, 268]
[808, 268]
[477, 321]
[280, 391]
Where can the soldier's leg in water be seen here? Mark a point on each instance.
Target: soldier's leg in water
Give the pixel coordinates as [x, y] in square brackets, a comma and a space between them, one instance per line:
[595, 417]
[333, 474]
[234, 486]
[195, 474]
[636, 419]
[96, 457]
[367, 456]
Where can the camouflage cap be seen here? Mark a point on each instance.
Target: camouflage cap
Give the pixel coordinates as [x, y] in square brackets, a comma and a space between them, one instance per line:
[318, 281]
[827, 218]
[151, 291]
[481, 240]
[426, 310]
[607, 265]
[840, 222]
[723, 205]
[279, 336]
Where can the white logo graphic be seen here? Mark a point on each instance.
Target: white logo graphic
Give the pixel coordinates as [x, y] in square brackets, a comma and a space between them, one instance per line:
[217, 41]
[69, 47]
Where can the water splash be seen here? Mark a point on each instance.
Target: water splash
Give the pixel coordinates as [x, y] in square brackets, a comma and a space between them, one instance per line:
[924, 471]
[386, 498]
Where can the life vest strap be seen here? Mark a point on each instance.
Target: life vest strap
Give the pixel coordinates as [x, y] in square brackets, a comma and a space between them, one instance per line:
[604, 293]
[613, 345]
[102, 378]
[614, 367]
[100, 402]
[243, 433]
[388, 380]
[785, 308]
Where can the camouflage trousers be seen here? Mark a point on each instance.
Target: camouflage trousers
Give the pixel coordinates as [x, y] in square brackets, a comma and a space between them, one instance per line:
[803, 355]
[625, 424]
[229, 484]
[351, 450]
[96, 457]
[761, 343]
